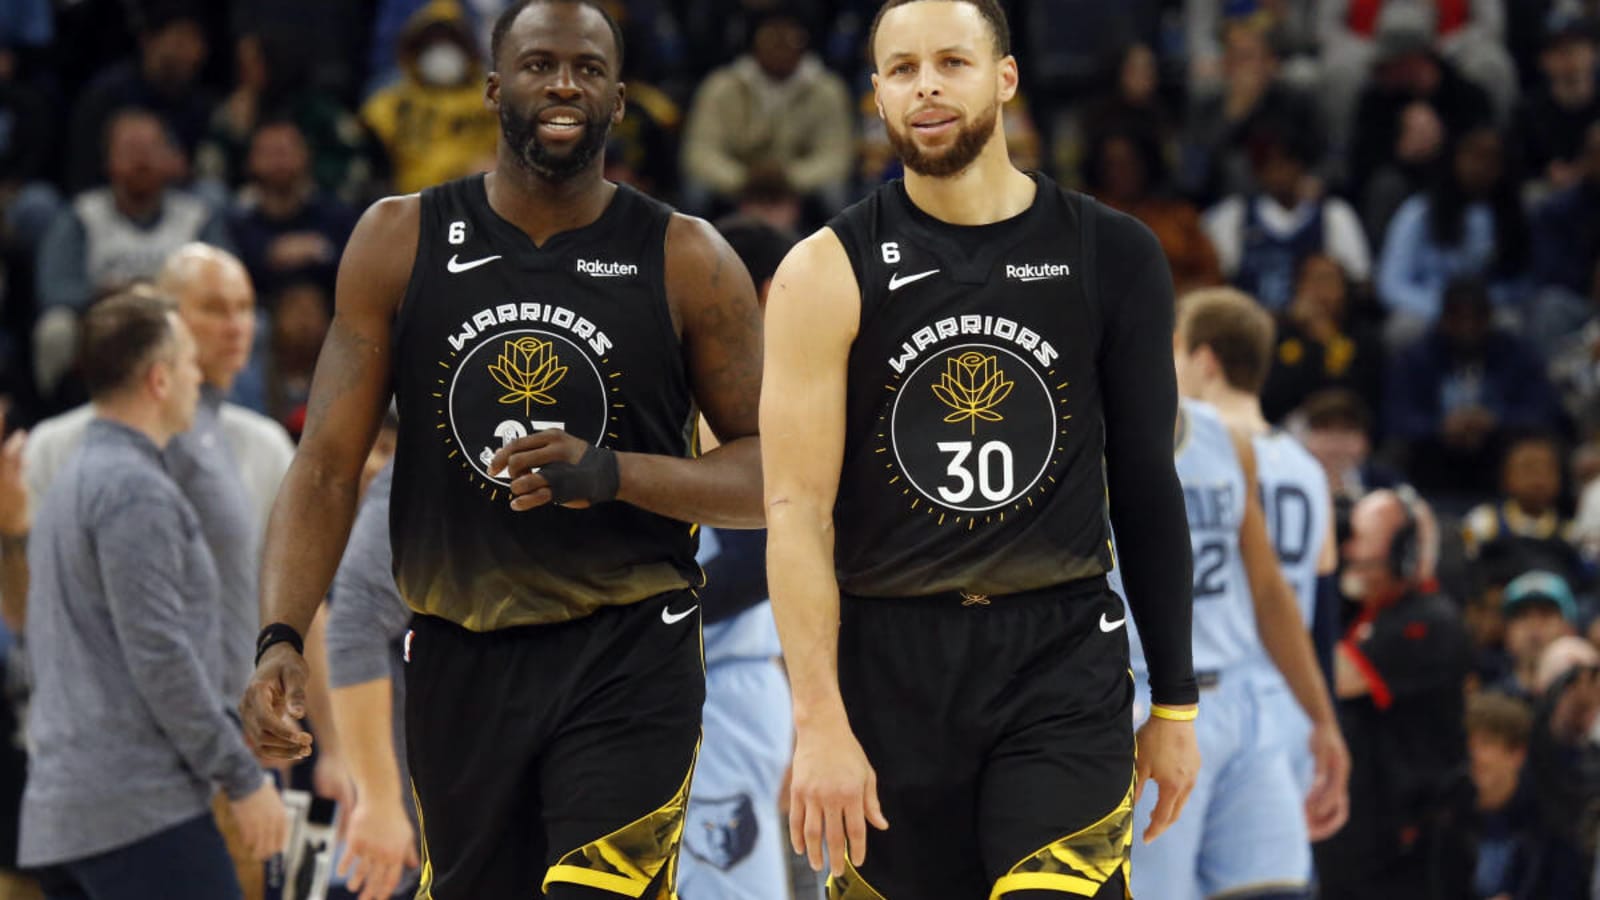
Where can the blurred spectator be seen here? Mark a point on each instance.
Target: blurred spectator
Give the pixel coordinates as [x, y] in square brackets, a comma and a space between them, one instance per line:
[1566, 252]
[112, 236]
[172, 49]
[1414, 106]
[1224, 127]
[433, 122]
[642, 149]
[301, 312]
[1264, 235]
[1399, 676]
[127, 723]
[274, 84]
[1124, 169]
[1538, 608]
[656, 46]
[285, 225]
[1564, 760]
[768, 197]
[717, 31]
[1336, 427]
[390, 19]
[1292, 22]
[1498, 731]
[1469, 33]
[1551, 122]
[1455, 392]
[26, 24]
[1131, 102]
[774, 106]
[1061, 67]
[1321, 344]
[228, 463]
[1468, 225]
[28, 134]
[1524, 528]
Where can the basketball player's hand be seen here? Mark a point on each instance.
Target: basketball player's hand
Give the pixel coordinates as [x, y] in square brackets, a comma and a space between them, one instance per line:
[331, 779]
[552, 466]
[833, 794]
[273, 702]
[262, 820]
[1328, 803]
[379, 846]
[1169, 756]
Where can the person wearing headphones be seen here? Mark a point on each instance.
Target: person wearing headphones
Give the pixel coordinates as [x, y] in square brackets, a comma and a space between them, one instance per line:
[1399, 673]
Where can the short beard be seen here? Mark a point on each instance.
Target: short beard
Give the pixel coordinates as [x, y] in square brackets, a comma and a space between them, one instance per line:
[969, 142]
[522, 136]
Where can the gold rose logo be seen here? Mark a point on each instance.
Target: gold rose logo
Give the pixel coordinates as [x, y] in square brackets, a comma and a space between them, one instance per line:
[528, 369]
[972, 386]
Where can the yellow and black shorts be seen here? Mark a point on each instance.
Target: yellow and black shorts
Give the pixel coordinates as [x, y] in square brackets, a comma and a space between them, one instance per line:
[1001, 732]
[555, 758]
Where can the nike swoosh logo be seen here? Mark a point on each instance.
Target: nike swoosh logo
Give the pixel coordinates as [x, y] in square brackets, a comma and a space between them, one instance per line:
[672, 618]
[1109, 626]
[896, 282]
[457, 268]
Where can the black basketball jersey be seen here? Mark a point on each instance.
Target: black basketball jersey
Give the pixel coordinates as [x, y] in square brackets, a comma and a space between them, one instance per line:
[974, 439]
[497, 338]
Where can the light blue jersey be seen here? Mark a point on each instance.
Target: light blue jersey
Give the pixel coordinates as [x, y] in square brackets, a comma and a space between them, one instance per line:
[1214, 496]
[734, 841]
[1242, 830]
[1299, 510]
[1294, 495]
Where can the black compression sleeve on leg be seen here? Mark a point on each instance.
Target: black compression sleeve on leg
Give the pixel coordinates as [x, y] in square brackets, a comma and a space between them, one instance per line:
[1139, 396]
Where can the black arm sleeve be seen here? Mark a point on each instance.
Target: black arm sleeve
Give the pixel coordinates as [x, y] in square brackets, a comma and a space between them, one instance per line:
[736, 578]
[1139, 396]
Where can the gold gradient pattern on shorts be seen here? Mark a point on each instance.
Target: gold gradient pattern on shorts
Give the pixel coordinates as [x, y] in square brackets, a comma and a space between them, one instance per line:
[627, 861]
[1080, 863]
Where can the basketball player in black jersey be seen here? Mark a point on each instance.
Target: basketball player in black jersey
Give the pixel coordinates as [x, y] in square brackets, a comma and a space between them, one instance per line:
[548, 337]
[967, 381]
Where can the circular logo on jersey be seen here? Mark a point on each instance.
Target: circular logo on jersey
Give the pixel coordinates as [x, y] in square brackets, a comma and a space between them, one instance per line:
[517, 382]
[973, 428]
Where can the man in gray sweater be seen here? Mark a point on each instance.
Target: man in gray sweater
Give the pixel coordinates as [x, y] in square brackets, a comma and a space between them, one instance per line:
[127, 727]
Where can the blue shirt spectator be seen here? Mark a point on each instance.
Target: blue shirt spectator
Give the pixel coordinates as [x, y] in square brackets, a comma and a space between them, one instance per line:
[287, 230]
[172, 48]
[1456, 392]
[1469, 225]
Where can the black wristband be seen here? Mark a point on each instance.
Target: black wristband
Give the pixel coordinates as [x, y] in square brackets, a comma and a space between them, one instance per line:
[278, 633]
[594, 478]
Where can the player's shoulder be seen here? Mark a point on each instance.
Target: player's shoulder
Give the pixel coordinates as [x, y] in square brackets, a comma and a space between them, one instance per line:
[689, 234]
[820, 258]
[389, 226]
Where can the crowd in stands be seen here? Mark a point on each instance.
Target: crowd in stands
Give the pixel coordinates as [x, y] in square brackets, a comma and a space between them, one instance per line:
[1412, 187]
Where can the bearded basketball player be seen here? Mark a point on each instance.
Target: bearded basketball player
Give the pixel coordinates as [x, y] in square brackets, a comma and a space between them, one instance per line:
[548, 337]
[968, 382]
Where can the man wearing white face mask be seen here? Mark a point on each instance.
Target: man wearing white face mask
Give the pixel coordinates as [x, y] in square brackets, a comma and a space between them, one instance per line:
[433, 122]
